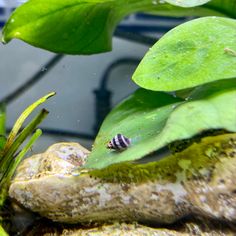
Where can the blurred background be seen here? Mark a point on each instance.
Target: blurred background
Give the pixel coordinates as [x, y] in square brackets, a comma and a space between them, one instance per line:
[87, 87]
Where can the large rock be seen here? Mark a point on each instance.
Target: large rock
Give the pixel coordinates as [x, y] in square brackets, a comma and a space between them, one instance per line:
[184, 228]
[199, 181]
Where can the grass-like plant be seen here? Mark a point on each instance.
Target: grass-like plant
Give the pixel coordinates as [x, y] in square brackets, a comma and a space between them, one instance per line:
[12, 152]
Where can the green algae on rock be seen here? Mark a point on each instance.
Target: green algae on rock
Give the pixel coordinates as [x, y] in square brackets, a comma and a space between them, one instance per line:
[199, 181]
[192, 160]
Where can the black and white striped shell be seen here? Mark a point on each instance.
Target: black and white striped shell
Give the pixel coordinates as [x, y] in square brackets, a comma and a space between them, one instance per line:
[119, 143]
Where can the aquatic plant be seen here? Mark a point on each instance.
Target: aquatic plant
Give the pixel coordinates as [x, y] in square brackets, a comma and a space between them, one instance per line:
[198, 56]
[11, 151]
[195, 61]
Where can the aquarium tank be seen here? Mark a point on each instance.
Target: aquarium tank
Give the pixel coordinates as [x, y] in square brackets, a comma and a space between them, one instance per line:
[136, 132]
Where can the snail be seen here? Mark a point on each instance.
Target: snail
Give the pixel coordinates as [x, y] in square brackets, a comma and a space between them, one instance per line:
[119, 143]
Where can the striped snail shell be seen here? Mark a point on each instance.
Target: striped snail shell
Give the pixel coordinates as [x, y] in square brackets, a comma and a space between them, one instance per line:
[119, 143]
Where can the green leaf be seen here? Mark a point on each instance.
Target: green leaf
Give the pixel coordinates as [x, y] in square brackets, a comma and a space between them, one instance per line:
[86, 27]
[187, 3]
[219, 86]
[72, 26]
[9, 159]
[212, 8]
[154, 119]
[2, 231]
[10, 169]
[2, 125]
[191, 54]
[225, 7]
[26, 132]
[140, 118]
[21, 120]
[14, 163]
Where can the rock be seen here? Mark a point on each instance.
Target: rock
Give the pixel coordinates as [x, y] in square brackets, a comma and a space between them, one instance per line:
[198, 181]
[183, 228]
[104, 230]
[59, 159]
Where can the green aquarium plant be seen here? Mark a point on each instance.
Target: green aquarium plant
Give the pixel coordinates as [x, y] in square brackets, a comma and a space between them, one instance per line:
[12, 152]
[187, 78]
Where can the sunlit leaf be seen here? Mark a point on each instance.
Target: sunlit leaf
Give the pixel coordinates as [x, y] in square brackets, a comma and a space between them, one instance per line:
[187, 3]
[2, 231]
[153, 119]
[212, 8]
[191, 54]
[71, 26]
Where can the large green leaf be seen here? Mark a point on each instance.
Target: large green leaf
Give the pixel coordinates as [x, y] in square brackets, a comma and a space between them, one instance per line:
[86, 26]
[154, 119]
[191, 54]
[71, 26]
